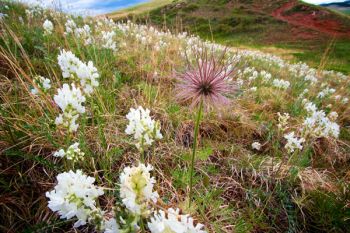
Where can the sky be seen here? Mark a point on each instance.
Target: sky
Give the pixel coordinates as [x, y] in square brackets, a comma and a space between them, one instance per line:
[95, 7]
[90, 7]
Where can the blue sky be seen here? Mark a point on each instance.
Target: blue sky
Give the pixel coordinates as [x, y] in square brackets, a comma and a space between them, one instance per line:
[91, 7]
[95, 7]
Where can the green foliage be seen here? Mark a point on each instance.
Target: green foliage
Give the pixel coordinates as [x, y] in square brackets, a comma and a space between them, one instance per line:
[326, 211]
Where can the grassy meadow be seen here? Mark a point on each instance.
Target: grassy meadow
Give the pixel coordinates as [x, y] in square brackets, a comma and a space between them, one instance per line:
[235, 139]
[250, 24]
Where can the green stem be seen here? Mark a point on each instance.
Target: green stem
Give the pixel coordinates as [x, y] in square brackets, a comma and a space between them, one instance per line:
[196, 129]
[142, 226]
[142, 155]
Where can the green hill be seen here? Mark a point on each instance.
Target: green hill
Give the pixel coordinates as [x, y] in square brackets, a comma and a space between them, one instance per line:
[309, 33]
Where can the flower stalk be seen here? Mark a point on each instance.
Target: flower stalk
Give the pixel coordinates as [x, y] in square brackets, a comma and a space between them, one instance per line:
[196, 129]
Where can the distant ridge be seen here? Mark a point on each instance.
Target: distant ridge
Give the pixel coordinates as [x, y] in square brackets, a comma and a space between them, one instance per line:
[269, 20]
[339, 6]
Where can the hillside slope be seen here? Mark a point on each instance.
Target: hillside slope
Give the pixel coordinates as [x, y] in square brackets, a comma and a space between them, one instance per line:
[304, 28]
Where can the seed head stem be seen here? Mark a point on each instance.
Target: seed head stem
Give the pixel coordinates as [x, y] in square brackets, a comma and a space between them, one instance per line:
[196, 129]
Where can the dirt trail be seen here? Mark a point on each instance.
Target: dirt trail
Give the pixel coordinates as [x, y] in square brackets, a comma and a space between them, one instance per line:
[315, 20]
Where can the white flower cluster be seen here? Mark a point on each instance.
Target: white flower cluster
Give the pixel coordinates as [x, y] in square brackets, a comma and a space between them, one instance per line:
[253, 76]
[282, 121]
[70, 26]
[44, 84]
[256, 145]
[344, 100]
[84, 33]
[73, 153]
[70, 100]
[253, 89]
[143, 127]
[136, 188]
[302, 94]
[33, 10]
[317, 124]
[48, 27]
[110, 226]
[105, 23]
[265, 76]
[325, 92]
[74, 196]
[68, 63]
[293, 143]
[173, 222]
[280, 83]
[108, 40]
[311, 78]
[73, 68]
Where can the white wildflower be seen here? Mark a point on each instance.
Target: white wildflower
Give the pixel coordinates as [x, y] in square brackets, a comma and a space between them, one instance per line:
[282, 121]
[253, 89]
[311, 78]
[84, 33]
[68, 63]
[74, 196]
[318, 124]
[110, 226]
[280, 83]
[88, 76]
[333, 116]
[256, 145]
[70, 100]
[337, 97]
[44, 84]
[305, 91]
[136, 188]
[72, 67]
[173, 222]
[48, 27]
[143, 127]
[70, 26]
[310, 107]
[265, 76]
[60, 153]
[73, 153]
[325, 92]
[293, 143]
[108, 40]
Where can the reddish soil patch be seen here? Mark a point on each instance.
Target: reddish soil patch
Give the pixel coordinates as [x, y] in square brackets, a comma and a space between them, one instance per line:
[315, 19]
